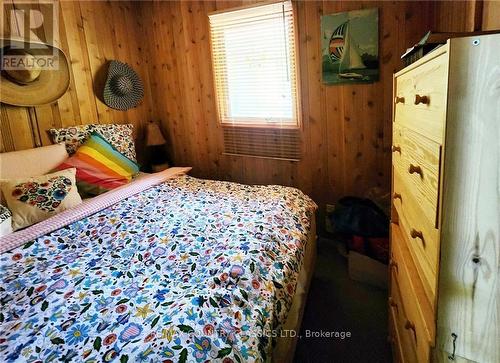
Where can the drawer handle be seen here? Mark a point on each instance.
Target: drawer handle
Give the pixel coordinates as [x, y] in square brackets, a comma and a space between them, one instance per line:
[415, 169]
[399, 100]
[396, 148]
[393, 265]
[393, 304]
[397, 196]
[409, 325]
[421, 99]
[417, 234]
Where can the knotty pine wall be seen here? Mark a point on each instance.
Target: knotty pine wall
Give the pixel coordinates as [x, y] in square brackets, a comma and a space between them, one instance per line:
[91, 34]
[346, 134]
[491, 15]
[466, 16]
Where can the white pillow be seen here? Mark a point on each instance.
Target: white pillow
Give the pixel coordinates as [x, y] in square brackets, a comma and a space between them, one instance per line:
[5, 221]
[31, 162]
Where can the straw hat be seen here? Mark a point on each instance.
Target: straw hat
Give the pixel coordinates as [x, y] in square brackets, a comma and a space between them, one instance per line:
[32, 82]
[123, 88]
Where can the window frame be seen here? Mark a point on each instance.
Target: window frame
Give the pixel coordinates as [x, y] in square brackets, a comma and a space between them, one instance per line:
[297, 104]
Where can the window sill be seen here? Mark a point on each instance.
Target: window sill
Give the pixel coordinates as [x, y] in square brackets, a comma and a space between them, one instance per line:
[261, 157]
[261, 126]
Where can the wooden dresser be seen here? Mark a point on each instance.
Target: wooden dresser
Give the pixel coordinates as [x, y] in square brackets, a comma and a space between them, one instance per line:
[444, 303]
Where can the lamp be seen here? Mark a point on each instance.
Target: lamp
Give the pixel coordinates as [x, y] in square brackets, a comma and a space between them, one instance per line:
[155, 142]
[154, 136]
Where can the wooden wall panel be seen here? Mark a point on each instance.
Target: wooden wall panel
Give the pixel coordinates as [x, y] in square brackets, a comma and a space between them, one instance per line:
[91, 34]
[491, 15]
[346, 134]
[457, 16]
[466, 15]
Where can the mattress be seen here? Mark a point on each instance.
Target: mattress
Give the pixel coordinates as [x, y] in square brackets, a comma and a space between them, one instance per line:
[183, 270]
[285, 347]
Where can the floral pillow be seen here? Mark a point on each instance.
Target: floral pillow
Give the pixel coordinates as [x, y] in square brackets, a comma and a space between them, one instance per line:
[32, 200]
[5, 221]
[120, 136]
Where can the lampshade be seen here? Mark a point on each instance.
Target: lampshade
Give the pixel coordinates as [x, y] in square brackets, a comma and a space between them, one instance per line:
[154, 136]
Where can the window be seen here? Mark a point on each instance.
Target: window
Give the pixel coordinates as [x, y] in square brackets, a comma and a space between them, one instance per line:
[253, 52]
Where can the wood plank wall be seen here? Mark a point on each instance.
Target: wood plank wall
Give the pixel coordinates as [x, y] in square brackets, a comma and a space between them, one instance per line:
[457, 16]
[346, 135]
[91, 34]
[491, 15]
[465, 16]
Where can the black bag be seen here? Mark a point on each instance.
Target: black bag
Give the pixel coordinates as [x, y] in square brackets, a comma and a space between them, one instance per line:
[360, 217]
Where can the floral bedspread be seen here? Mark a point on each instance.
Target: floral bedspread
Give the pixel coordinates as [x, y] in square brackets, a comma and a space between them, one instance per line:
[187, 271]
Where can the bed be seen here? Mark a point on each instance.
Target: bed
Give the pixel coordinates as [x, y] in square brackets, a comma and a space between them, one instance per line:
[168, 268]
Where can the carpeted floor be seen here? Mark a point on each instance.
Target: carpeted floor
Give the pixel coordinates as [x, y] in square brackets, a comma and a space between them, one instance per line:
[337, 303]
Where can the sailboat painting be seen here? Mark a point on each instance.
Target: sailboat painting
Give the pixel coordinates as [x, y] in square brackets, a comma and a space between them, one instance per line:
[350, 47]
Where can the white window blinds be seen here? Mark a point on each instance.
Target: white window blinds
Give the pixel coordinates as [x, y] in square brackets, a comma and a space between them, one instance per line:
[253, 51]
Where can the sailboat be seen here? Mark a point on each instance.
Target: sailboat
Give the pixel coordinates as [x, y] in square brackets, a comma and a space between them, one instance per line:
[344, 50]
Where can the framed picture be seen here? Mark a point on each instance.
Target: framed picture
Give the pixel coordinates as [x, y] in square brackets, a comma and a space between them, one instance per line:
[349, 45]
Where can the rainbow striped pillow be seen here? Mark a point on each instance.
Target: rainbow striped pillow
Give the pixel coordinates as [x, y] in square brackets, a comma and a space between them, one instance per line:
[99, 166]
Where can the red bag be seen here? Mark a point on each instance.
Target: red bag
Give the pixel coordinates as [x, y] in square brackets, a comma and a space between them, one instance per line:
[374, 247]
[357, 243]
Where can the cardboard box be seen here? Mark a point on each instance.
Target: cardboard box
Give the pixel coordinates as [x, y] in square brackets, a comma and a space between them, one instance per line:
[367, 270]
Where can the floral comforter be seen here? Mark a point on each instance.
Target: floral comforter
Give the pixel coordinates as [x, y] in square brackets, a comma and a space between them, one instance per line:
[187, 271]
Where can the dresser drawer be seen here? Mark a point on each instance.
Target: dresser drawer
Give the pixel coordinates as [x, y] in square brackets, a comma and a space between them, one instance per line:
[403, 345]
[418, 316]
[421, 236]
[394, 338]
[420, 102]
[417, 159]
